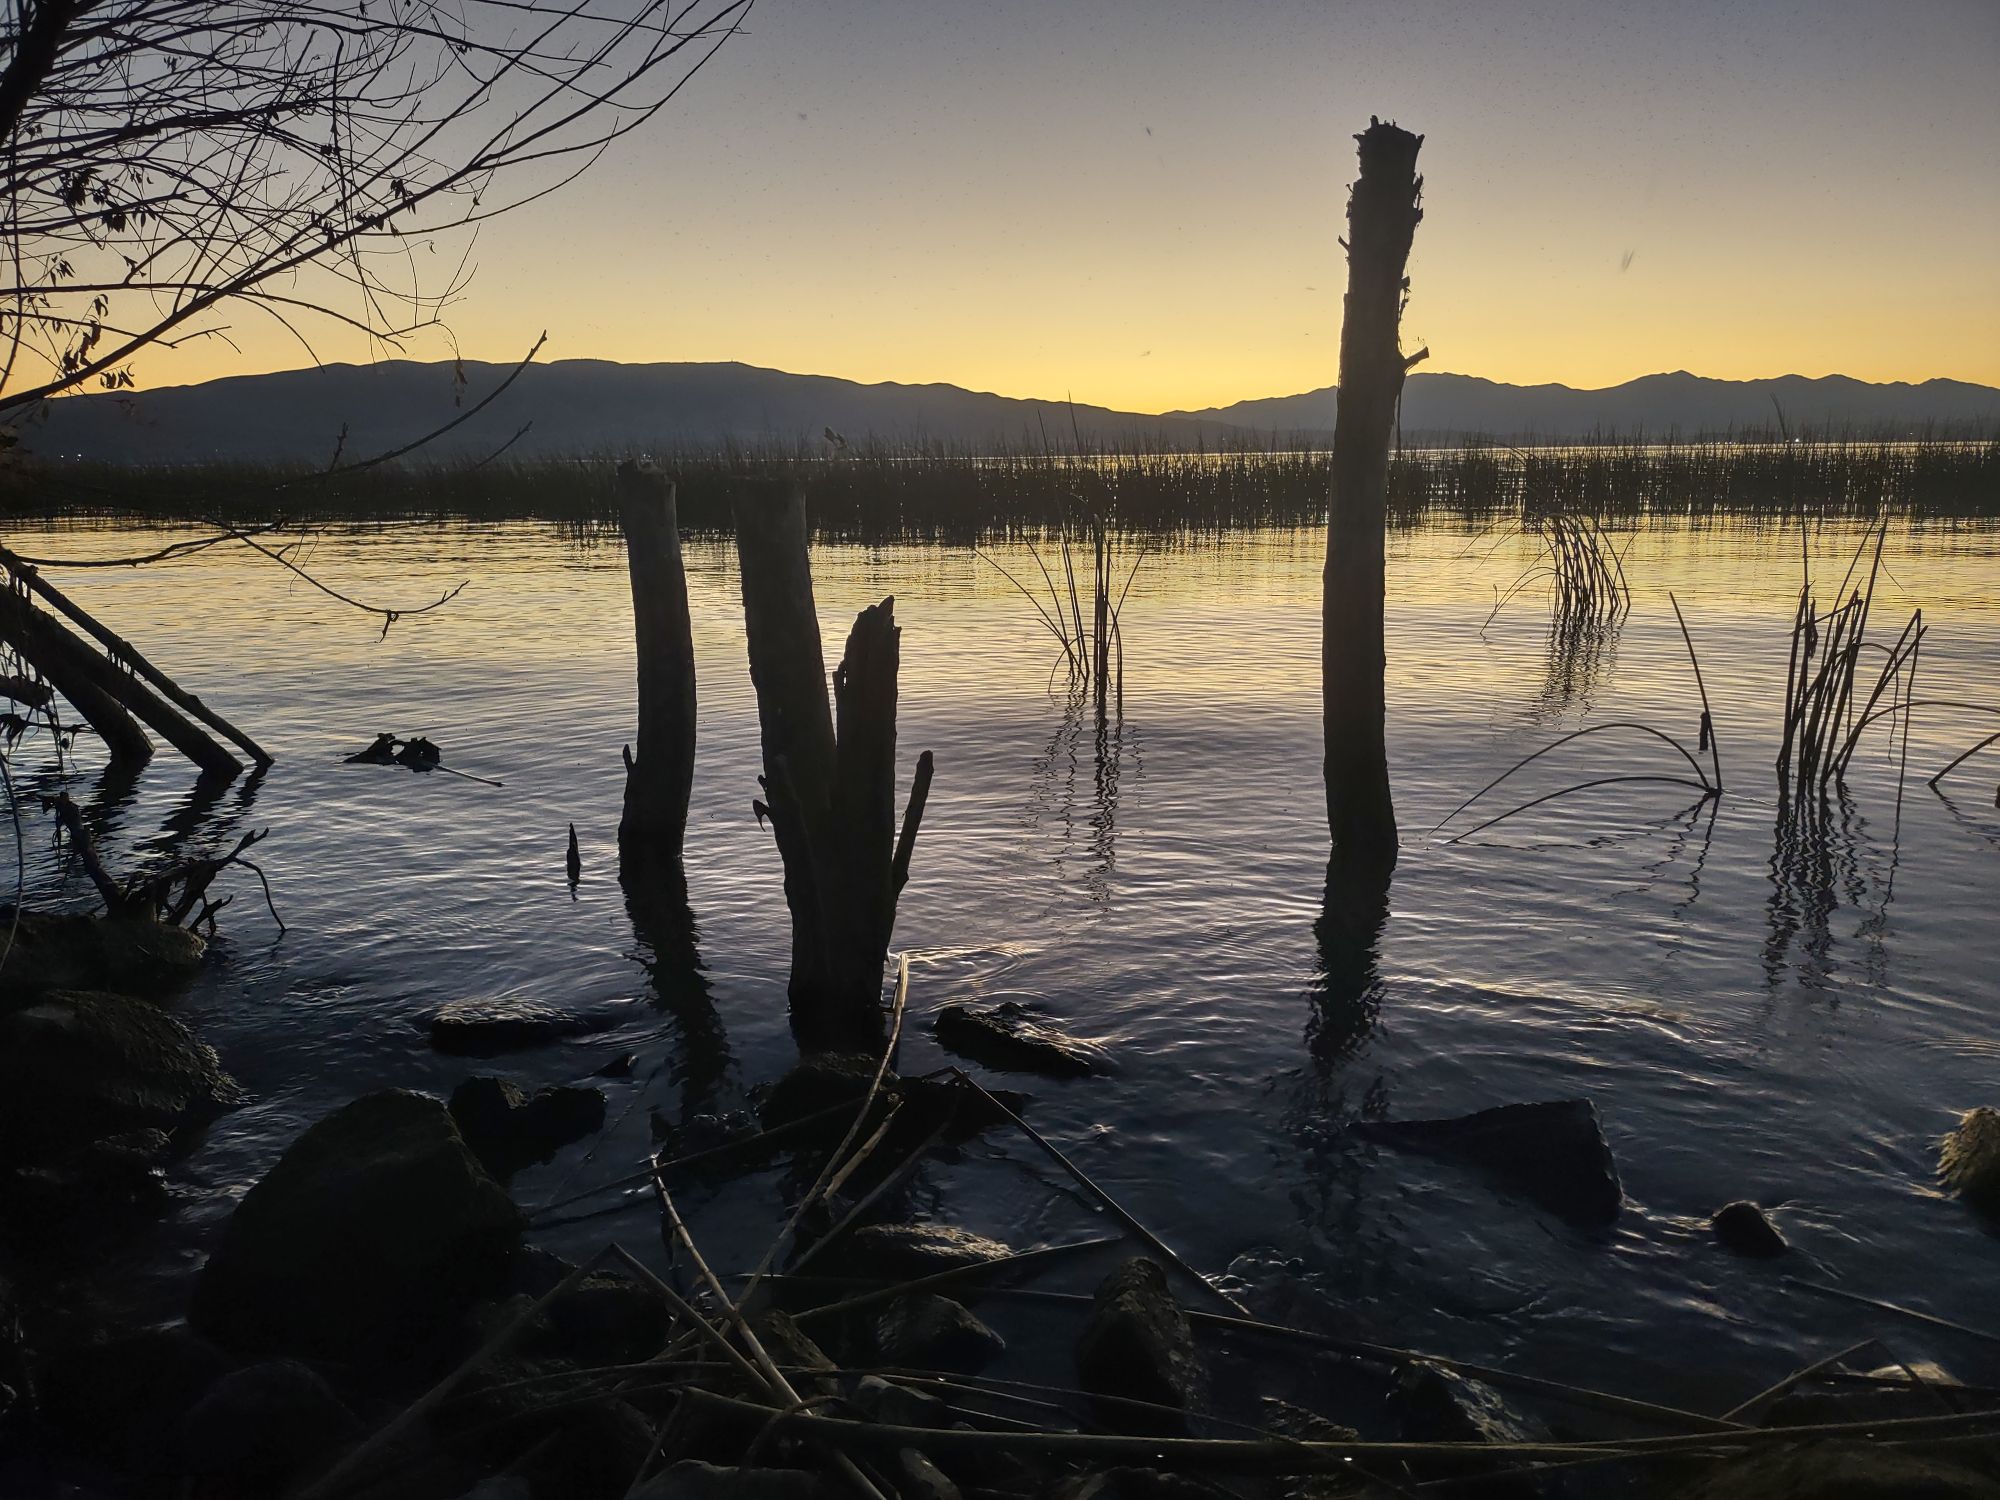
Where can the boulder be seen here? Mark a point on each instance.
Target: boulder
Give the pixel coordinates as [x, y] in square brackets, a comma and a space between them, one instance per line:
[877, 1400]
[1137, 1484]
[692, 1480]
[1285, 1420]
[903, 1252]
[1552, 1152]
[100, 1187]
[920, 1479]
[1436, 1405]
[76, 951]
[1138, 1347]
[605, 1319]
[1745, 1229]
[507, 1128]
[1839, 1471]
[1969, 1159]
[125, 1398]
[487, 1028]
[77, 1068]
[922, 1331]
[1009, 1037]
[587, 1452]
[258, 1426]
[376, 1229]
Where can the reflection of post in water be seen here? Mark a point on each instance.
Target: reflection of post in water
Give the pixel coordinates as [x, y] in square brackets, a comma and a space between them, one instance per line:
[202, 812]
[656, 900]
[1347, 991]
[1055, 792]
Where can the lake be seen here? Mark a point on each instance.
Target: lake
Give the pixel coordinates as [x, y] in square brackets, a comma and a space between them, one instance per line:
[1790, 1021]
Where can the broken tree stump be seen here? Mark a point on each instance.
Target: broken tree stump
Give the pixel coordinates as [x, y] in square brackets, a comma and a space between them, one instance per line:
[659, 777]
[829, 777]
[1382, 215]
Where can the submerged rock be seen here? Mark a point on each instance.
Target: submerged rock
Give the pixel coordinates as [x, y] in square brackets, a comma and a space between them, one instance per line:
[923, 1331]
[375, 1229]
[903, 1252]
[1839, 1471]
[1554, 1152]
[1138, 1347]
[1745, 1229]
[508, 1128]
[1436, 1405]
[77, 1068]
[1969, 1159]
[1011, 1038]
[819, 1082]
[487, 1028]
[77, 951]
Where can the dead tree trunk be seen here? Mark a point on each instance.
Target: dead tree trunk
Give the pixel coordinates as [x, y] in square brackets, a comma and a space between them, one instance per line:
[1382, 215]
[829, 778]
[86, 678]
[123, 651]
[67, 665]
[660, 776]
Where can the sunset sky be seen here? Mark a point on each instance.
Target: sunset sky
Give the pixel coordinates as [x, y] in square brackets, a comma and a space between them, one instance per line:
[1136, 201]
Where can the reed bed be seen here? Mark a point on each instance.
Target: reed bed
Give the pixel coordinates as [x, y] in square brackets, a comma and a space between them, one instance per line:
[965, 497]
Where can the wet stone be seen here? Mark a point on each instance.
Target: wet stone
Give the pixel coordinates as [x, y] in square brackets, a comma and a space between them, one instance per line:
[923, 1331]
[508, 1128]
[903, 1252]
[487, 1028]
[1744, 1229]
[77, 951]
[1553, 1152]
[1969, 1159]
[1011, 1038]
[259, 1425]
[1138, 1347]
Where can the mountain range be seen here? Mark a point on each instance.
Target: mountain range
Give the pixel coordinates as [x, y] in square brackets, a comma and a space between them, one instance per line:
[586, 407]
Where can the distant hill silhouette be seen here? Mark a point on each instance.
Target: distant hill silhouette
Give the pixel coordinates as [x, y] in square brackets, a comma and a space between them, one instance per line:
[582, 406]
[1657, 404]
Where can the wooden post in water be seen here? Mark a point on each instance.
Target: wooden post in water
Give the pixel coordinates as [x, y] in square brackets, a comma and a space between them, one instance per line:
[829, 777]
[660, 776]
[1382, 215]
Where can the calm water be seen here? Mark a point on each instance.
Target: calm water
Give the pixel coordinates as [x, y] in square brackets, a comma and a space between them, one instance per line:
[1797, 1031]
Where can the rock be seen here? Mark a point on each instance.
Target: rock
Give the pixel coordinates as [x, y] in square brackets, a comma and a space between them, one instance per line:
[101, 1186]
[692, 1480]
[76, 951]
[1283, 1419]
[1744, 1229]
[486, 1028]
[879, 1400]
[1137, 1484]
[588, 1452]
[1882, 1394]
[1554, 1152]
[808, 1368]
[903, 1252]
[1969, 1159]
[126, 1397]
[1839, 1471]
[375, 1230]
[1138, 1347]
[507, 1129]
[258, 1426]
[819, 1082]
[77, 1068]
[1008, 1036]
[620, 1066]
[922, 1331]
[922, 1479]
[605, 1319]
[1436, 1405]
[501, 1487]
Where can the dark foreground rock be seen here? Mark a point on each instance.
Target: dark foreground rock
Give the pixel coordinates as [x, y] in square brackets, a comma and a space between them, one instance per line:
[508, 1128]
[487, 1028]
[78, 1068]
[125, 1398]
[375, 1229]
[1552, 1152]
[1138, 1347]
[260, 1426]
[76, 951]
[1436, 1405]
[1840, 1471]
[1745, 1229]
[1969, 1159]
[1010, 1037]
[693, 1480]
[818, 1082]
[922, 1331]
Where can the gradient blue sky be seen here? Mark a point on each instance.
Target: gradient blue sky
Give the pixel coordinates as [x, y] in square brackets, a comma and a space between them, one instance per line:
[1137, 202]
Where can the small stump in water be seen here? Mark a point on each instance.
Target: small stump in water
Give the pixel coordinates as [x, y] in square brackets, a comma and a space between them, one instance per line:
[1745, 1229]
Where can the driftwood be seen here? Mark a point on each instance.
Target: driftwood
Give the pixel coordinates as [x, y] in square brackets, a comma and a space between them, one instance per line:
[175, 894]
[124, 653]
[1382, 216]
[659, 776]
[829, 778]
[81, 675]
